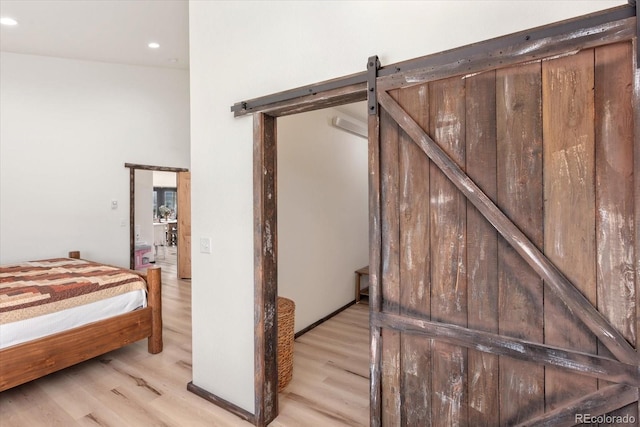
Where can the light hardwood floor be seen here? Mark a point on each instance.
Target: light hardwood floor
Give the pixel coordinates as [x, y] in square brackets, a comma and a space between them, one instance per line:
[129, 387]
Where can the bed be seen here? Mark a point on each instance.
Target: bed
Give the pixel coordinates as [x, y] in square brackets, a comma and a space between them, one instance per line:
[44, 323]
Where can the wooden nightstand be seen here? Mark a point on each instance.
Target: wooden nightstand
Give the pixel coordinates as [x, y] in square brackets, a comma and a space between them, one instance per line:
[364, 271]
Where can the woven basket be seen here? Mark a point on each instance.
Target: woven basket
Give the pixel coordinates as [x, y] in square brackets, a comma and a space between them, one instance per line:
[286, 311]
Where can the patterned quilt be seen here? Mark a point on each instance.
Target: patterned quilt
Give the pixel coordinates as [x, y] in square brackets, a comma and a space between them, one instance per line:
[34, 288]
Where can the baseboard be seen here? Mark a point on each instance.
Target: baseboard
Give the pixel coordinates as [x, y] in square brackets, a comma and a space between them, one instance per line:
[324, 319]
[224, 404]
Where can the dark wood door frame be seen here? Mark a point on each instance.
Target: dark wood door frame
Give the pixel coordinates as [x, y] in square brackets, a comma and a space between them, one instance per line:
[132, 197]
[266, 244]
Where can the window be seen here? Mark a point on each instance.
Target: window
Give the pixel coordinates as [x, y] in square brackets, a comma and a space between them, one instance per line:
[165, 197]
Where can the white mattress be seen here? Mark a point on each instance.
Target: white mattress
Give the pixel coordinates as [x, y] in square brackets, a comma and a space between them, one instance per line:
[38, 327]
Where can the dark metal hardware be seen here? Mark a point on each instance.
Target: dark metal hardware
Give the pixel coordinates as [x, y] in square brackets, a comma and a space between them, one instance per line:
[373, 65]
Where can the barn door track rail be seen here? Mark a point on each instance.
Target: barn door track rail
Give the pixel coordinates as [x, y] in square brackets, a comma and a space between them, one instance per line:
[501, 51]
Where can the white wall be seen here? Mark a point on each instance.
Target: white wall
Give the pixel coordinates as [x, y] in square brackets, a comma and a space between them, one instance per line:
[67, 127]
[241, 50]
[164, 179]
[323, 220]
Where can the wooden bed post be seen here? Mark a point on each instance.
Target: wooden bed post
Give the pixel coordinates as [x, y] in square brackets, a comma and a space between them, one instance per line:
[154, 284]
[74, 254]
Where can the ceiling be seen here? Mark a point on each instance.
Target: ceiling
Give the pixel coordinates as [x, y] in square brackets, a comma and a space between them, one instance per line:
[115, 31]
[100, 30]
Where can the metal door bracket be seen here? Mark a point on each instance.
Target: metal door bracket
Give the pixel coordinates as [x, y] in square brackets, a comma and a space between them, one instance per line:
[373, 65]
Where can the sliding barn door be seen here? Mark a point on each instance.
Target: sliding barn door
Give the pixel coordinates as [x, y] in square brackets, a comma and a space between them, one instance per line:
[507, 276]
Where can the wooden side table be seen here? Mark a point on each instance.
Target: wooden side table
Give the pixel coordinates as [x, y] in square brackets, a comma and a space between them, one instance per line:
[364, 271]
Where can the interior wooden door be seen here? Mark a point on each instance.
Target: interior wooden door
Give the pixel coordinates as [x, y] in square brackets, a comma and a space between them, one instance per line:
[184, 225]
[506, 292]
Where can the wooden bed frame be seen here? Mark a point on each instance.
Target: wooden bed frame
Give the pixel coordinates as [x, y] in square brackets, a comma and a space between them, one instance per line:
[25, 362]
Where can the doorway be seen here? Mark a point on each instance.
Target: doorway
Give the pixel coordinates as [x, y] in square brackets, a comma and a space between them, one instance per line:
[322, 194]
[322, 210]
[160, 218]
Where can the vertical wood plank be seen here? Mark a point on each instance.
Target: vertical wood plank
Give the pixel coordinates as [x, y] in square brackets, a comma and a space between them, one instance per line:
[390, 268]
[448, 254]
[415, 289]
[265, 268]
[614, 179]
[616, 248]
[375, 248]
[519, 173]
[569, 210]
[482, 247]
[636, 188]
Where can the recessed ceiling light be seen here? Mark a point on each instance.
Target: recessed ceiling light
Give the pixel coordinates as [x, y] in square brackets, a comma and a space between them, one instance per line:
[173, 60]
[5, 20]
[154, 45]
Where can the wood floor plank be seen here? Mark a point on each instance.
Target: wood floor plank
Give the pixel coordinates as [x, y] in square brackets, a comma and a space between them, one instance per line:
[129, 386]
[75, 401]
[34, 408]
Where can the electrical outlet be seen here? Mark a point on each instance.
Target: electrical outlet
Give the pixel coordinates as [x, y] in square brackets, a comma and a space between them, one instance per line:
[205, 245]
